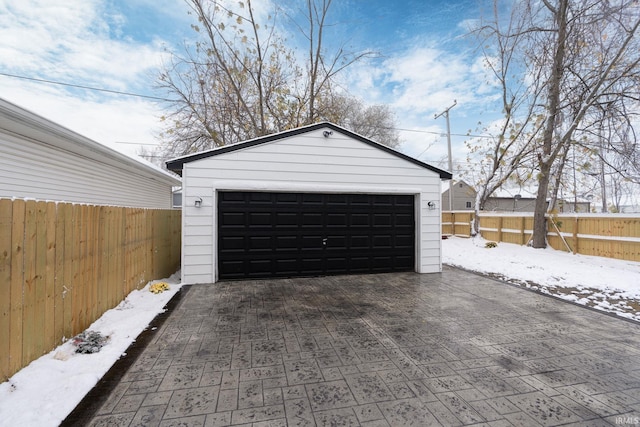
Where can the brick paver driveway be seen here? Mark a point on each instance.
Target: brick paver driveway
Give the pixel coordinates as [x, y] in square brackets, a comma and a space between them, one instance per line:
[380, 350]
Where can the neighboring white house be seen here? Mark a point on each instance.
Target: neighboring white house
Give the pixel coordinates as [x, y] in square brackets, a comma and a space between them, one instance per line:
[42, 160]
[316, 200]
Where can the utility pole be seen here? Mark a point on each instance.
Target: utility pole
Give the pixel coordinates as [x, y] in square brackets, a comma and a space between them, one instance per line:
[445, 113]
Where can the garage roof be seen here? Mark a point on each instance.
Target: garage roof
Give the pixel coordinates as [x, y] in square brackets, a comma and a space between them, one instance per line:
[177, 164]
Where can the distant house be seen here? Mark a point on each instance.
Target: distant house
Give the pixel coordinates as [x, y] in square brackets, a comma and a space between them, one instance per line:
[464, 198]
[42, 160]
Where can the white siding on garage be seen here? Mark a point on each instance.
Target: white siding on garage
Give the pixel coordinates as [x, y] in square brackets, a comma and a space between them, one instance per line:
[306, 162]
[44, 161]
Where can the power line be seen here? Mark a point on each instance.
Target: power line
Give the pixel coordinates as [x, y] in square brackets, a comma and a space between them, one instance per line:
[442, 134]
[156, 98]
[33, 79]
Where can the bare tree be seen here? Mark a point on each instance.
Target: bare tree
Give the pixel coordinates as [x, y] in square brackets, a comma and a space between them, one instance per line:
[586, 56]
[240, 80]
[322, 67]
[511, 145]
[593, 57]
[375, 122]
[230, 84]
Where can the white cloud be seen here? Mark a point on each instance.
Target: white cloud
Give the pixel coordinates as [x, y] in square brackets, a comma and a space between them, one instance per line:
[80, 42]
[420, 82]
[70, 40]
[110, 121]
[428, 79]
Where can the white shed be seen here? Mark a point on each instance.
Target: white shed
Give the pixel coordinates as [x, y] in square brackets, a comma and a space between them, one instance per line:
[316, 200]
[42, 160]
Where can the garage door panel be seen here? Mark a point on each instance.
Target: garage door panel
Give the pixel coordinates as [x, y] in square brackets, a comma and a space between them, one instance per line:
[337, 219]
[260, 267]
[232, 219]
[337, 199]
[404, 262]
[383, 220]
[337, 265]
[312, 199]
[360, 200]
[404, 241]
[383, 200]
[260, 219]
[302, 234]
[287, 267]
[232, 243]
[382, 241]
[359, 220]
[382, 263]
[311, 242]
[311, 219]
[403, 220]
[286, 219]
[360, 264]
[312, 265]
[333, 242]
[360, 242]
[232, 269]
[285, 243]
[260, 243]
[228, 198]
[260, 198]
[287, 198]
[404, 201]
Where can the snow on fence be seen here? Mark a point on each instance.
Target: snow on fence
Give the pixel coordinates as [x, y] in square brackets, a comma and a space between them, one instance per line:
[605, 235]
[63, 265]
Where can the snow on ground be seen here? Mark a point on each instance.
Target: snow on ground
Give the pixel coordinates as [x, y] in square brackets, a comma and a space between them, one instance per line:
[606, 284]
[46, 391]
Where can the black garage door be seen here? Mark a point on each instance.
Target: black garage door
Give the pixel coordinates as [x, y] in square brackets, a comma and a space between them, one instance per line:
[264, 235]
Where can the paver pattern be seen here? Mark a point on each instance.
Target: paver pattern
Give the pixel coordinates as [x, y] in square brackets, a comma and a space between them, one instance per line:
[446, 349]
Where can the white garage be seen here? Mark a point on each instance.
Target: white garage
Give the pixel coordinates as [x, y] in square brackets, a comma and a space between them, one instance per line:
[317, 200]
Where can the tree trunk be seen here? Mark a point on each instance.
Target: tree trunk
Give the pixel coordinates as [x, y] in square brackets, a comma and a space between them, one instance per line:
[540, 209]
[548, 155]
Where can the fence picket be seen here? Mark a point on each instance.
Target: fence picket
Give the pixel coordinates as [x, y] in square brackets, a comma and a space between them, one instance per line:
[58, 295]
[30, 311]
[6, 214]
[49, 340]
[16, 329]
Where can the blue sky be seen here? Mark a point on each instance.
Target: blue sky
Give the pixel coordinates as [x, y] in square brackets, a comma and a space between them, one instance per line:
[424, 64]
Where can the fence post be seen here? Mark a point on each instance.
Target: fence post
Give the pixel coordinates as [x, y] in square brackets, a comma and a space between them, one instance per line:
[522, 222]
[576, 223]
[453, 223]
[499, 229]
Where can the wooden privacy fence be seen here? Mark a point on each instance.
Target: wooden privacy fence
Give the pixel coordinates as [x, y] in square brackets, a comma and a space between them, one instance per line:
[63, 265]
[457, 223]
[607, 235]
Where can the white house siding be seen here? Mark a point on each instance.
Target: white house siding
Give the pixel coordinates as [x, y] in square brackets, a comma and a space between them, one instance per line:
[303, 163]
[44, 161]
